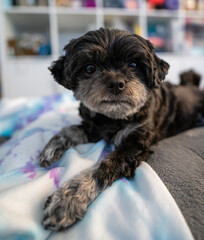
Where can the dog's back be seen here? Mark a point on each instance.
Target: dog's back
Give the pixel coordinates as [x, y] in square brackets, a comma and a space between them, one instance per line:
[190, 78]
[176, 108]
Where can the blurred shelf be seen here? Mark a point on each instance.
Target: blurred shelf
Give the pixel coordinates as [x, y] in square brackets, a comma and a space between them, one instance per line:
[193, 14]
[121, 12]
[70, 22]
[27, 10]
[174, 13]
[163, 13]
[29, 21]
[76, 11]
[59, 24]
[27, 58]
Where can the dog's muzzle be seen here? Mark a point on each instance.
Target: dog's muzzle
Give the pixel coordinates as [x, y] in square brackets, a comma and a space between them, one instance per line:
[115, 86]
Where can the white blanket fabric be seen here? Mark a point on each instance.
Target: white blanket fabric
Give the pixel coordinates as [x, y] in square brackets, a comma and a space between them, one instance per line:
[141, 209]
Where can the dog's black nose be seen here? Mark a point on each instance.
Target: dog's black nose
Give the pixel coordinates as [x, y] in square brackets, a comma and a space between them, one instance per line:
[115, 86]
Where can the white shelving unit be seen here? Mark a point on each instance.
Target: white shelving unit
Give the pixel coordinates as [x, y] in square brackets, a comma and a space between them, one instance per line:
[28, 75]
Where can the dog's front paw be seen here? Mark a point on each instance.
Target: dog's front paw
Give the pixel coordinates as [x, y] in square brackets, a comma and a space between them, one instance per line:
[62, 210]
[49, 156]
[69, 203]
[53, 151]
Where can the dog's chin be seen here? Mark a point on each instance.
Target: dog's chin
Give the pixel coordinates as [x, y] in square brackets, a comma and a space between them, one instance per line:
[115, 109]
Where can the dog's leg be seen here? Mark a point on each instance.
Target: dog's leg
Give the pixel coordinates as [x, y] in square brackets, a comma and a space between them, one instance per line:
[66, 138]
[69, 203]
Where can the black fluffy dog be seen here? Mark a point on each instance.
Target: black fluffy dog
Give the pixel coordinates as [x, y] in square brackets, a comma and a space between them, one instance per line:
[117, 77]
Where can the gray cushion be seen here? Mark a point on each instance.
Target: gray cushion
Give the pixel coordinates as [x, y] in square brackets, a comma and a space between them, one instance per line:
[179, 162]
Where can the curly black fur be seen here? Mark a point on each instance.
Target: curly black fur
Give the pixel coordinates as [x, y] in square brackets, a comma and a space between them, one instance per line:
[140, 113]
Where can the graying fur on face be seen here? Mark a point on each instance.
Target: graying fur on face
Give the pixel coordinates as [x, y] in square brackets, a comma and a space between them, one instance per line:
[95, 95]
[69, 203]
[55, 148]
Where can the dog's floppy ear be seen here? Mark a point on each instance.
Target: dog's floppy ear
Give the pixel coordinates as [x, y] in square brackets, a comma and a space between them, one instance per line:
[161, 70]
[160, 67]
[156, 68]
[60, 69]
[57, 70]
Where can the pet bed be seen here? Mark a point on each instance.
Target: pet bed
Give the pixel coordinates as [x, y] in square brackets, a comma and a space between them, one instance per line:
[163, 201]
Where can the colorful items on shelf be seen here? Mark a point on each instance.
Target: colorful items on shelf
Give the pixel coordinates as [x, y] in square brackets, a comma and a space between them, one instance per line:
[89, 3]
[64, 3]
[76, 3]
[121, 4]
[159, 34]
[131, 4]
[175, 4]
[194, 35]
[156, 2]
[152, 4]
[121, 24]
[163, 4]
[29, 45]
[29, 2]
[172, 4]
[193, 4]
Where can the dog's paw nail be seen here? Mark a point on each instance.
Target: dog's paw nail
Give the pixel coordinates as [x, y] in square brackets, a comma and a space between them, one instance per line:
[48, 158]
[45, 164]
[45, 217]
[48, 201]
[50, 226]
[46, 227]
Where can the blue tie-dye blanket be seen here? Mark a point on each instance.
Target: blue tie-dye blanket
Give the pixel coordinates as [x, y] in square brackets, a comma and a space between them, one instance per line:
[141, 209]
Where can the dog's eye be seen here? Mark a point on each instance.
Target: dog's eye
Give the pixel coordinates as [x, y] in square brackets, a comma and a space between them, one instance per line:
[132, 65]
[90, 69]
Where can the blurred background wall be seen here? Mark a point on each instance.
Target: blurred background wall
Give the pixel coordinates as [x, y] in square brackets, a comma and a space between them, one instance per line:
[34, 32]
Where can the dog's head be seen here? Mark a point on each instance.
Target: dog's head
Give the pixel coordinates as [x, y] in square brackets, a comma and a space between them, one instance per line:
[110, 71]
